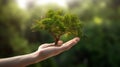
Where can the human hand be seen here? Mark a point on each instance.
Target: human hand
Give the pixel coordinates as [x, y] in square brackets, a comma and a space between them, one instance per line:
[44, 51]
[48, 50]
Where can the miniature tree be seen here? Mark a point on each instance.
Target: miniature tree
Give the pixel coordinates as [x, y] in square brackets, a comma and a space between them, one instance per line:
[58, 23]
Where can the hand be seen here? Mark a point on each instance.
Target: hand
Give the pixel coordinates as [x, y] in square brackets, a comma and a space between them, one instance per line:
[44, 51]
[48, 50]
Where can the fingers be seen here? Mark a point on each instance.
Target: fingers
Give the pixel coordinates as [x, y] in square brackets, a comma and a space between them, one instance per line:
[62, 46]
[70, 43]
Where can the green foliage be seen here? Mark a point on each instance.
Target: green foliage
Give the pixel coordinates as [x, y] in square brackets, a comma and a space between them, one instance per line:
[101, 20]
[58, 23]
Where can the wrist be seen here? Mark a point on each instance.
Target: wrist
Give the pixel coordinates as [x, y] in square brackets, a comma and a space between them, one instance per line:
[34, 57]
[38, 56]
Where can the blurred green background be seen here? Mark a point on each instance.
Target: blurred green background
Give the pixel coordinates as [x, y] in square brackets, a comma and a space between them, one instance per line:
[99, 48]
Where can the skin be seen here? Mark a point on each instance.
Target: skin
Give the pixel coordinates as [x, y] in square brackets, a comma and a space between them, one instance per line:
[44, 51]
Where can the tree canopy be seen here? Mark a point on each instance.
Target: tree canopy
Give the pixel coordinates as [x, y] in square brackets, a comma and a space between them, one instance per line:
[58, 23]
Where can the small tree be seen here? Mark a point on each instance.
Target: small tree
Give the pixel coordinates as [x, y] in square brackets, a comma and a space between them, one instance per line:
[58, 23]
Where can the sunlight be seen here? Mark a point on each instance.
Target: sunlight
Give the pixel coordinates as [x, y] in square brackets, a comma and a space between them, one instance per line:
[61, 3]
[24, 3]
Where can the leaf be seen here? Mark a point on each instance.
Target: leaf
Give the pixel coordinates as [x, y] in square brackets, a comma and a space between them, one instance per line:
[58, 23]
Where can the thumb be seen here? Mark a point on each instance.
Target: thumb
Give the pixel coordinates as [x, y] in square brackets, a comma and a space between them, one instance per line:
[60, 42]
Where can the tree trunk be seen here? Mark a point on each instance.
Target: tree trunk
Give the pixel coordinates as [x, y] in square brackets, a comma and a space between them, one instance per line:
[56, 40]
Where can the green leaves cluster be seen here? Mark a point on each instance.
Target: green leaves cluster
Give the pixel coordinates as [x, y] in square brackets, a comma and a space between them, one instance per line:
[58, 23]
